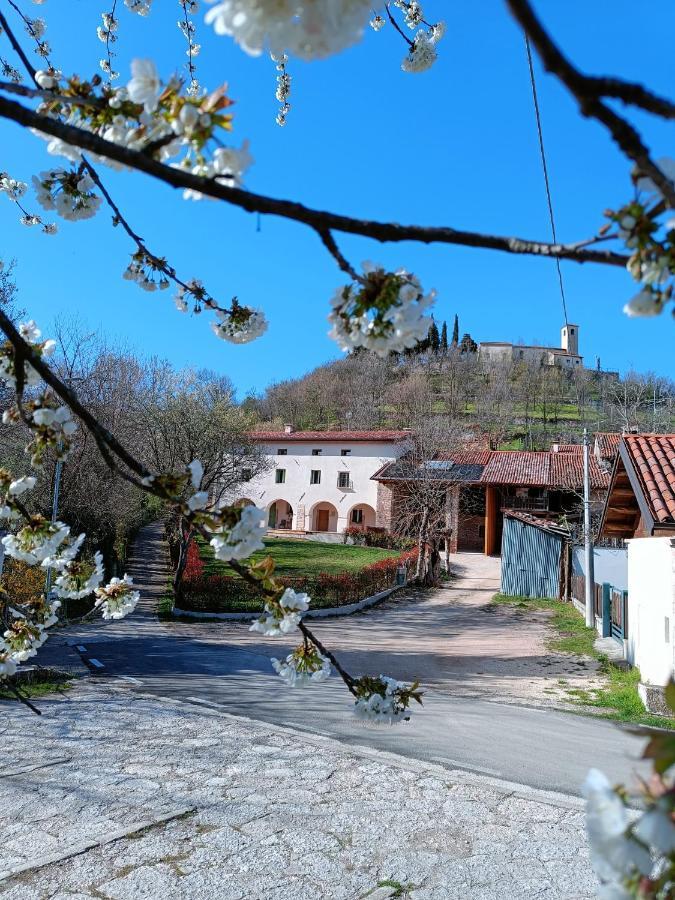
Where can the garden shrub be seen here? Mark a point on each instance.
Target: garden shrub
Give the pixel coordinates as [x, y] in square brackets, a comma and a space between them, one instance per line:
[377, 537]
[226, 593]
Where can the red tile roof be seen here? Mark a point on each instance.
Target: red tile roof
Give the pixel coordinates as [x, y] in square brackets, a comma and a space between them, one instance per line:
[653, 460]
[555, 470]
[468, 457]
[517, 467]
[344, 437]
[607, 443]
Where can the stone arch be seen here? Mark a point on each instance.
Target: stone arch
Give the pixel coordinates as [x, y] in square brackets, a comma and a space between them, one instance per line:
[323, 516]
[361, 515]
[280, 514]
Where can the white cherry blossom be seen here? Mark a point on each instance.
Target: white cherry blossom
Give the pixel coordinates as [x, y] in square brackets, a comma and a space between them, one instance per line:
[243, 539]
[145, 86]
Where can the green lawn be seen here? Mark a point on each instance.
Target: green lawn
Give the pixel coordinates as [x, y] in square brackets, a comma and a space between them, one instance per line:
[619, 698]
[297, 557]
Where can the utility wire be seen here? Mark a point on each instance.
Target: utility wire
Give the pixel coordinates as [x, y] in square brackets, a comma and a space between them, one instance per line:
[545, 168]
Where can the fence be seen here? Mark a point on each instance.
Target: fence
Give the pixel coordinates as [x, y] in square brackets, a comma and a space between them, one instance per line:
[610, 605]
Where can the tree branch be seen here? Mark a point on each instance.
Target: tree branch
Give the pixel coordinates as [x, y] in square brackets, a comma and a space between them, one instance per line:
[317, 219]
[587, 93]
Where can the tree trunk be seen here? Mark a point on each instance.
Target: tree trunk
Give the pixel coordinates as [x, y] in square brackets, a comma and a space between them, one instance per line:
[422, 544]
[186, 536]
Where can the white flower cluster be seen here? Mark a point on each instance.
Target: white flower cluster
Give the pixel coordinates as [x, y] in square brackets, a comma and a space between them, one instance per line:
[146, 272]
[22, 640]
[242, 539]
[241, 325]
[107, 34]
[68, 193]
[422, 55]
[31, 334]
[52, 427]
[117, 598]
[310, 29]
[15, 190]
[620, 850]
[282, 616]
[384, 314]
[200, 499]
[302, 667]
[142, 7]
[283, 91]
[77, 580]
[37, 541]
[383, 702]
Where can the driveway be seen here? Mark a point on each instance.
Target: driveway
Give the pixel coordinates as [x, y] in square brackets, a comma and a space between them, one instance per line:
[452, 638]
[483, 669]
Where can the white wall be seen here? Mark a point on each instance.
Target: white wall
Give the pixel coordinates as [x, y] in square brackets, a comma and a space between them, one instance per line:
[651, 608]
[364, 460]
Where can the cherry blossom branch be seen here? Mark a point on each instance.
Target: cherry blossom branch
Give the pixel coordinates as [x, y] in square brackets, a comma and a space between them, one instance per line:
[18, 49]
[329, 243]
[588, 92]
[158, 262]
[398, 28]
[319, 220]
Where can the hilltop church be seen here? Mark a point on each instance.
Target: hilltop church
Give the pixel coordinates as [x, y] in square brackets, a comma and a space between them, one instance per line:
[566, 356]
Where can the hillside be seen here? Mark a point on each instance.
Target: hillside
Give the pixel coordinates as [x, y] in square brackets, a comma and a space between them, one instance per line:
[518, 405]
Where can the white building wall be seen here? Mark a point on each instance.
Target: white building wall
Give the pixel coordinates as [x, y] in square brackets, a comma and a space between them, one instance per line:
[364, 459]
[651, 608]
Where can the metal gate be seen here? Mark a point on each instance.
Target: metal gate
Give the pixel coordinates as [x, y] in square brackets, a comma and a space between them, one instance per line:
[618, 614]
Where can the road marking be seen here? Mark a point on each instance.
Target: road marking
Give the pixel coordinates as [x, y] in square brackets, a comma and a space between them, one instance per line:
[469, 766]
[95, 662]
[81, 648]
[201, 700]
[131, 679]
[308, 729]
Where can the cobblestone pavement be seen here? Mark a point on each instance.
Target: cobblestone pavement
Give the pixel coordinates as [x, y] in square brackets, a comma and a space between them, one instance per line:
[118, 795]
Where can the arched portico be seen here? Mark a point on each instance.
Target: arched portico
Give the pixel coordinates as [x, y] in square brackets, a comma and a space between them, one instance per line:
[280, 514]
[361, 515]
[323, 517]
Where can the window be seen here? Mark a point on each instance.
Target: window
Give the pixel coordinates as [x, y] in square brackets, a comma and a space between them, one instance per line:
[344, 481]
[316, 452]
[315, 476]
[246, 474]
[345, 452]
[282, 451]
[280, 476]
[357, 516]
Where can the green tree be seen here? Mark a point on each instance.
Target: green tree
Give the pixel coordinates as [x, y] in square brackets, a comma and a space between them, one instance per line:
[467, 344]
[444, 338]
[434, 338]
[455, 331]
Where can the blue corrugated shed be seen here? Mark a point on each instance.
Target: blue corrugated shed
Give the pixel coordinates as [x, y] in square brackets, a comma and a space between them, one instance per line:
[531, 556]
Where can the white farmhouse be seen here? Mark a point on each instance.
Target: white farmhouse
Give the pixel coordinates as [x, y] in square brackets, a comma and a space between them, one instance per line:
[320, 481]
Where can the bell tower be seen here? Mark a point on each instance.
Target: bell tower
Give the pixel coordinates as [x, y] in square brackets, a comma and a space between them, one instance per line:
[569, 339]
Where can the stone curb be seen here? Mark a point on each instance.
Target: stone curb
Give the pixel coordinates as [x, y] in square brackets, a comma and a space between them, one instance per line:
[79, 849]
[385, 757]
[331, 612]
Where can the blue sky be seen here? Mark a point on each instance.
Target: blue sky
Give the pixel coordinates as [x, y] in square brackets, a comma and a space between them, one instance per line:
[453, 146]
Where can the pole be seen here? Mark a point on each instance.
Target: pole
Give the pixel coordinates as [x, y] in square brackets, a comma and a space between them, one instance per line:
[588, 538]
[55, 512]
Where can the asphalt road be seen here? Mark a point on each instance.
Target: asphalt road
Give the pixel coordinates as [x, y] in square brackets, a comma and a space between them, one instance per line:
[538, 747]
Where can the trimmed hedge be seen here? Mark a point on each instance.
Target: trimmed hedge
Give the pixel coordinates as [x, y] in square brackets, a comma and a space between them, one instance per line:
[377, 537]
[224, 593]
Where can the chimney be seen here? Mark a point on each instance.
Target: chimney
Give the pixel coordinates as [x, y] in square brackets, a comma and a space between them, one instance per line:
[555, 448]
[288, 428]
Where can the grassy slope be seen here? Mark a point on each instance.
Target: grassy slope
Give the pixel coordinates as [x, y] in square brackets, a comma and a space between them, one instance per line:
[294, 557]
[619, 699]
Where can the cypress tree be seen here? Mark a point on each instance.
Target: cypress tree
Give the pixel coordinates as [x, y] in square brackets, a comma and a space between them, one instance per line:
[444, 338]
[434, 338]
[455, 331]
